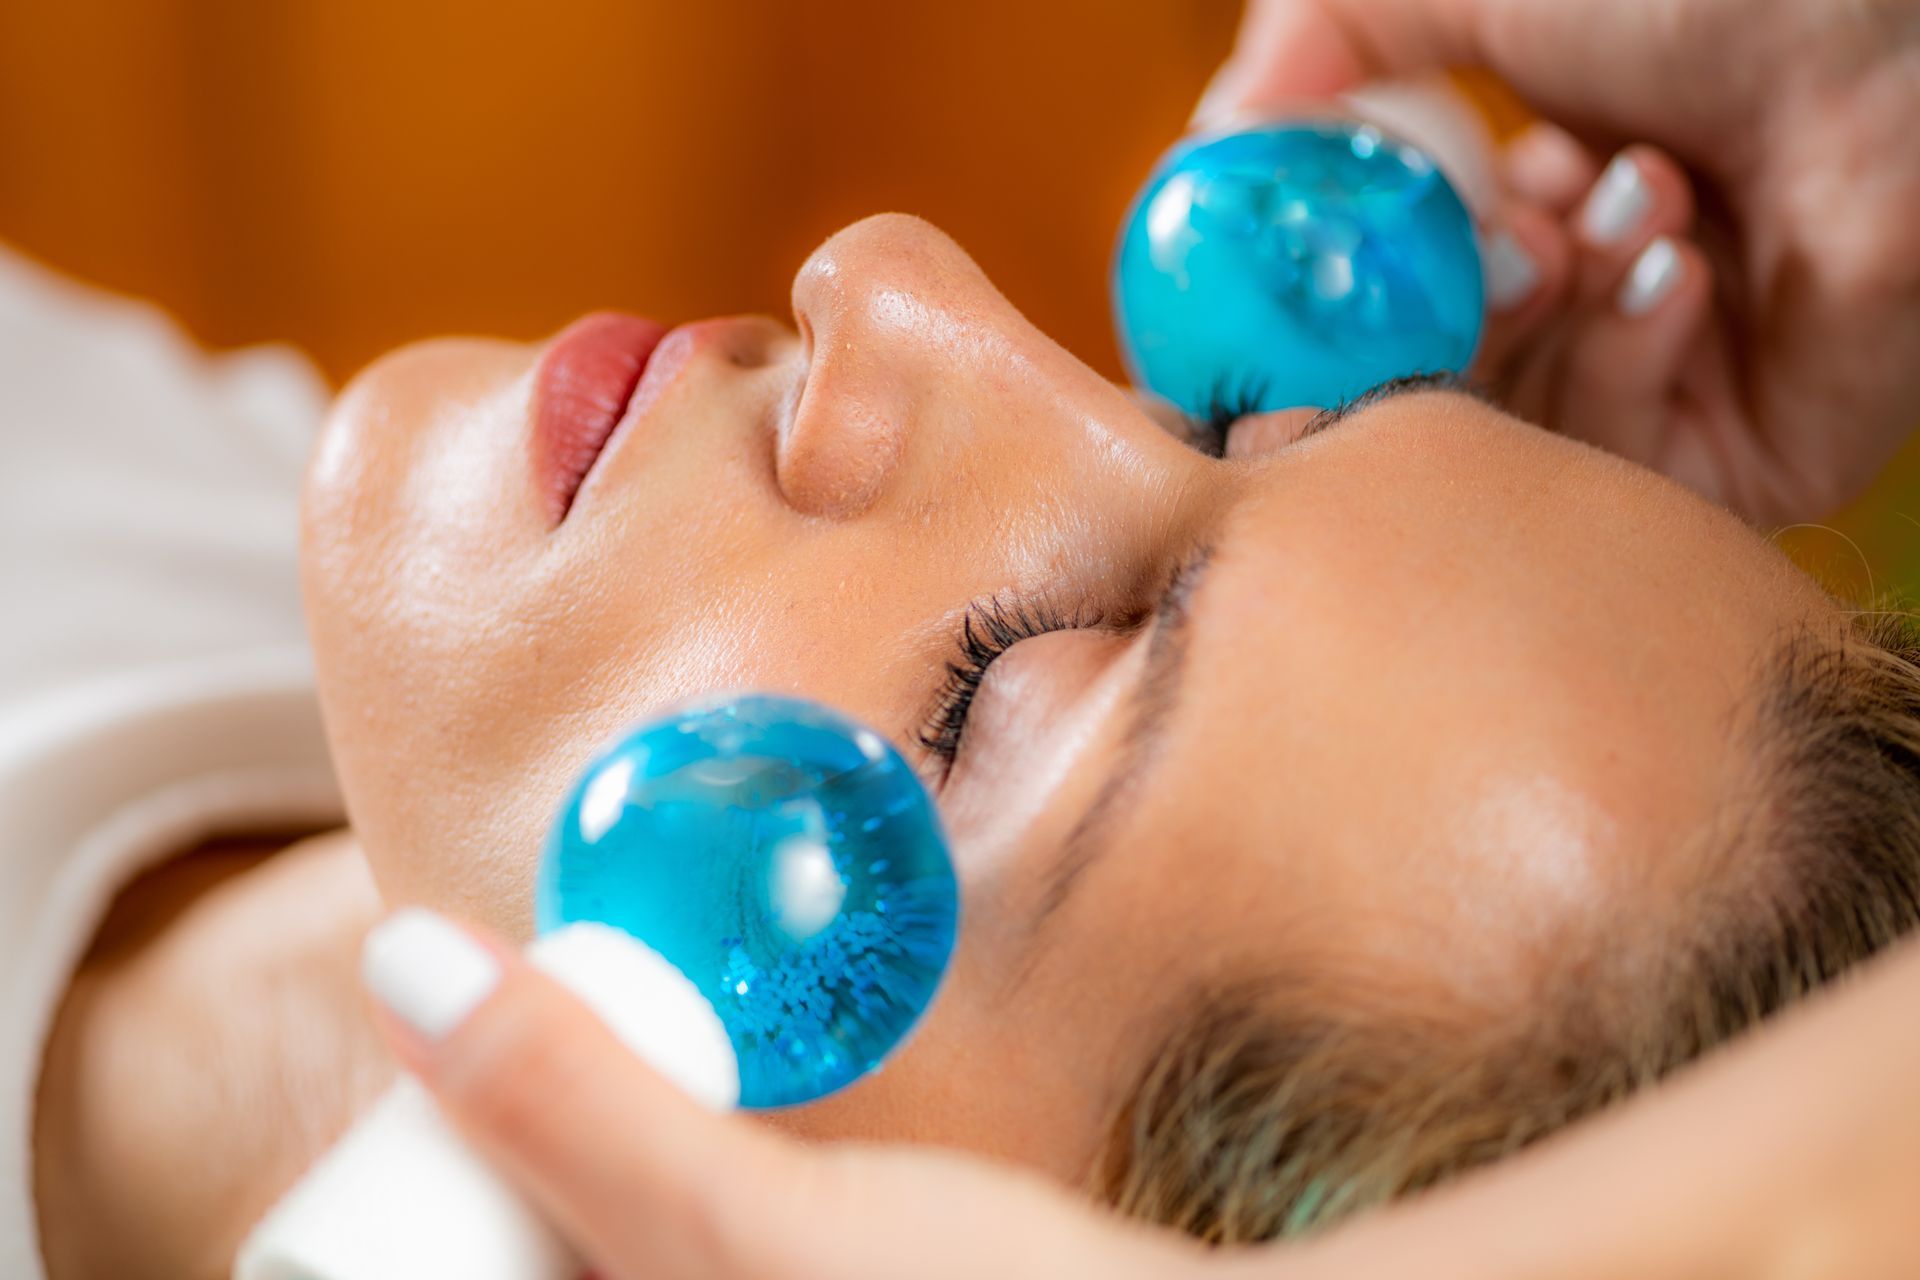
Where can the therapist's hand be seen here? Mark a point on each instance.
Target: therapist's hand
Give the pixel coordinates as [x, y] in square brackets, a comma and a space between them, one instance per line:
[650, 1186]
[1797, 1154]
[1777, 368]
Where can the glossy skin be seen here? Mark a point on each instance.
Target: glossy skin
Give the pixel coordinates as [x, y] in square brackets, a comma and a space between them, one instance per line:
[1457, 693]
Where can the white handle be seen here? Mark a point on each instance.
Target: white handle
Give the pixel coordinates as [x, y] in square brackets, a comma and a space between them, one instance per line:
[402, 1196]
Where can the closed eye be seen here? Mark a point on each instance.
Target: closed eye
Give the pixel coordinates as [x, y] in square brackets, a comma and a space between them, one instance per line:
[1388, 390]
[1232, 405]
[987, 630]
[992, 627]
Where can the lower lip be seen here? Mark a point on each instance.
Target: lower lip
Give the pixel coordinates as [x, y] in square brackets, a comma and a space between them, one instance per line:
[581, 391]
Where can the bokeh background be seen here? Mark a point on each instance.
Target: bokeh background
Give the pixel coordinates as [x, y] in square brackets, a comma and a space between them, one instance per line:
[347, 175]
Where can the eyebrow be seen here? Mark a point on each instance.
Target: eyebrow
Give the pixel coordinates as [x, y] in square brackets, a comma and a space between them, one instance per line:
[1155, 696]
[1381, 392]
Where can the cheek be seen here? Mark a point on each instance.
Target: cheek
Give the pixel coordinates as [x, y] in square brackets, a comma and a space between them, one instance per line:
[990, 1072]
[409, 510]
[411, 516]
[457, 729]
[415, 437]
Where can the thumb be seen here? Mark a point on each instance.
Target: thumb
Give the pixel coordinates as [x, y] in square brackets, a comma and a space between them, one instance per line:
[1287, 50]
[1291, 51]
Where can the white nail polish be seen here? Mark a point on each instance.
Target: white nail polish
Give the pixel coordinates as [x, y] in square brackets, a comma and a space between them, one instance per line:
[1511, 274]
[427, 971]
[1617, 204]
[1655, 275]
[402, 1195]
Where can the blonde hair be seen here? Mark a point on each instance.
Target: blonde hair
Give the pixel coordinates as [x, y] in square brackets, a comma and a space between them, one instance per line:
[1257, 1124]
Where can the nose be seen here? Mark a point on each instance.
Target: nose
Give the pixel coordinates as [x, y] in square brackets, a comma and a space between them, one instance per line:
[890, 309]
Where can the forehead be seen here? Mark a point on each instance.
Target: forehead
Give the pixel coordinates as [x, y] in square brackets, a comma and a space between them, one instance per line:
[1457, 687]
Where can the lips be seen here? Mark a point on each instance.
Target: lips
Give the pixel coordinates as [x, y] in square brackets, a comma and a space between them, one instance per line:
[581, 391]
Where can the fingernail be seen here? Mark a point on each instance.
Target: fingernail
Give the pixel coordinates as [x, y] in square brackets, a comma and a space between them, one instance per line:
[1617, 203]
[1655, 275]
[427, 971]
[1511, 274]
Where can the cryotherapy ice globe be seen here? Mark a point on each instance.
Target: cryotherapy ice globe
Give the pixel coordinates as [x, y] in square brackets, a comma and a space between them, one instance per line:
[787, 861]
[1294, 264]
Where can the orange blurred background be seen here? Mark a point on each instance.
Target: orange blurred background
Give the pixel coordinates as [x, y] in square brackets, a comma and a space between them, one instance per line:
[350, 174]
[347, 175]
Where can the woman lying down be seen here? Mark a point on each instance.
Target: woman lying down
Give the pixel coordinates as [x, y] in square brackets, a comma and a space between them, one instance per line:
[1340, 800]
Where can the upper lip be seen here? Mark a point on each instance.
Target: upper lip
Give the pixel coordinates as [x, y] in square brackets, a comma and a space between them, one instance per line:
[581, 391]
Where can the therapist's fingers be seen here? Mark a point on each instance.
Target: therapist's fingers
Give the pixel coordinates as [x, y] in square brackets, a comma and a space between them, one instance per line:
[1625, 298]
[1611, 364]
[1612, 65]
[1642, 196]
[615, 1157]
[1545, 165]
[1627, 356]
[1528, 258]
[647, 1183]
[1293, 50]
[1287, 51]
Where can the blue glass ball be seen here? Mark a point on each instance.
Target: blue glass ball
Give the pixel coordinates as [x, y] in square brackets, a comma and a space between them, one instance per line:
[1294, 265]
[783, 857]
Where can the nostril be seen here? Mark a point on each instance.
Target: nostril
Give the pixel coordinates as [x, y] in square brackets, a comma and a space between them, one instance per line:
[753, 342]
[885, 310]
[805, 327]
[836, 453]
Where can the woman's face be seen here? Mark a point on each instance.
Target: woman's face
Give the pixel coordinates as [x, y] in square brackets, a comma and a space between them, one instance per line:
[1433, 696]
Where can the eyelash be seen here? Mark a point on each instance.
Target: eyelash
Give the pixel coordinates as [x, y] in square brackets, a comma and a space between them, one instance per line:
[1227, 405]
[990, 628]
